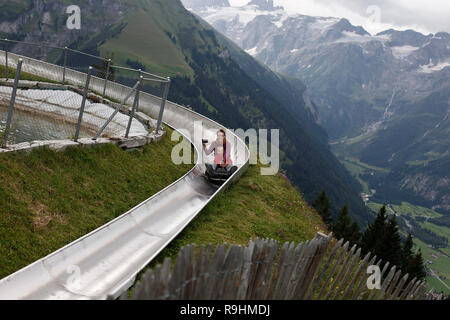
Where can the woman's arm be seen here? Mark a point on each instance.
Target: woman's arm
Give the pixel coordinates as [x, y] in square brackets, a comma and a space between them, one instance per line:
[211, 148]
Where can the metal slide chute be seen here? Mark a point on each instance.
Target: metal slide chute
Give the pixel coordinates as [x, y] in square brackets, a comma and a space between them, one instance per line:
[106, 261]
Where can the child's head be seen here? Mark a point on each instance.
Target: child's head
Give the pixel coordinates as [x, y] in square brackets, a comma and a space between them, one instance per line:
[219, 150]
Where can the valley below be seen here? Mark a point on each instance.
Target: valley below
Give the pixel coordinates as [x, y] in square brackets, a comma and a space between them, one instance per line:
[430, 229]
[383, 99]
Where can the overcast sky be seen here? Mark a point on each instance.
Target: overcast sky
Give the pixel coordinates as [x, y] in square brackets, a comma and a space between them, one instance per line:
[426, 16]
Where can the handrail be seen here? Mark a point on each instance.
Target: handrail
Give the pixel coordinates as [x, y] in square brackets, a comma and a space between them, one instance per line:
[33, 44]
[43, 45]
[110, 257]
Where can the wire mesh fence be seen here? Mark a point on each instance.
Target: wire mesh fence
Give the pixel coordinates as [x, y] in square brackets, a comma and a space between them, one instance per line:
[314, 270]
[107, 107]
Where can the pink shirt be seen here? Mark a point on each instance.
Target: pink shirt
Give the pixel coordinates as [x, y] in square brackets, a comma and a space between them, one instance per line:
[218, 158]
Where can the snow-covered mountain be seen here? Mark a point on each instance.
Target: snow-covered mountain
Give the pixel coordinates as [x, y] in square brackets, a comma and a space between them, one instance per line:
[383, 98]
[331, 52]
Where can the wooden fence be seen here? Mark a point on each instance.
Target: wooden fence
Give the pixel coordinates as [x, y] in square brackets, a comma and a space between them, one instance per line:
[318, 269]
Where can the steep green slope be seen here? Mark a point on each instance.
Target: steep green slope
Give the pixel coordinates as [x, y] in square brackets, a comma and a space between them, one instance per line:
[151, 48]
[49, 199]
[256, 206]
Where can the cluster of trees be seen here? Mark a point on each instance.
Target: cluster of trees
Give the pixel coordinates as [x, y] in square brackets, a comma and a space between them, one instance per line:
[102, 68]
[136, 64]
[381, 237]
[424, 234]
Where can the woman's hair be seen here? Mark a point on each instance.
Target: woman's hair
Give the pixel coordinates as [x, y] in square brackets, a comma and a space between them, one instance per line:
[224, 145]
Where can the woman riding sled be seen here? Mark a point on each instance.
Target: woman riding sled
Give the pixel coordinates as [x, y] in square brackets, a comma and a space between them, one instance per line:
[222, 151]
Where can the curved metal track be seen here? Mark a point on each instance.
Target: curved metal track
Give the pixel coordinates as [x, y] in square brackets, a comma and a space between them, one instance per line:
[106, 261]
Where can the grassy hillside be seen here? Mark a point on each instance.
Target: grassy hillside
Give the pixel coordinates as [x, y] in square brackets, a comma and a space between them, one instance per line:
[256, 206]
[152, 48]
[49, 199]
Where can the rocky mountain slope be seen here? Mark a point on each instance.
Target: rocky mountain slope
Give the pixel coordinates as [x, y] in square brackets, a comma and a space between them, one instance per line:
[383, 99]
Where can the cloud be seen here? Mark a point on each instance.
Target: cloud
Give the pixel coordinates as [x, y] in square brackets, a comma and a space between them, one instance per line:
[429, 16]
[238, 3]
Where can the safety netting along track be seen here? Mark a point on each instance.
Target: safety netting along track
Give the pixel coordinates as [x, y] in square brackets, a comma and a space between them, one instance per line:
[106, 261]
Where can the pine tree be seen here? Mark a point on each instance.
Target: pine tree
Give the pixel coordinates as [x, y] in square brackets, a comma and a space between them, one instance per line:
[102, 68]
[355, 234]
[322, 206]
[389, 247]
[417, 268]
[407, 254]
[344, 228]
[374, 231]
[382, 238]
[412, 263]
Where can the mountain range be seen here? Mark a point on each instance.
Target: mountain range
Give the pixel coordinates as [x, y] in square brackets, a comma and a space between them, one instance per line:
[383, 99]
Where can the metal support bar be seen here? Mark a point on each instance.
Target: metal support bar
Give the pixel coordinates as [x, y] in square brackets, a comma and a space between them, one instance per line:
[6, 57]
[163, 104]
[83, 103]
[106, 78]
[12, 101]
[135, 104]
[115, 112]
[142, 79]
[65, 65]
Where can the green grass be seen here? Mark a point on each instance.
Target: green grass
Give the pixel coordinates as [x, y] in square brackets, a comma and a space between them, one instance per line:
[436, 284]
[23, 75]
[442, 231]
[142, 40]
[49, 199]
[256, 206]
[432, 156]
[358, 168]
[407, 208]
[375, 207]
[441, 266]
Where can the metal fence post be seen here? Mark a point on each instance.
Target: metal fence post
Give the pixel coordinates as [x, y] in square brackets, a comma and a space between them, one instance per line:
[163, 104]
[124, 101]
[83, 103]
[106, 78]
[65, 65]
[11, 104]
[135, 103]
[6, 59]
